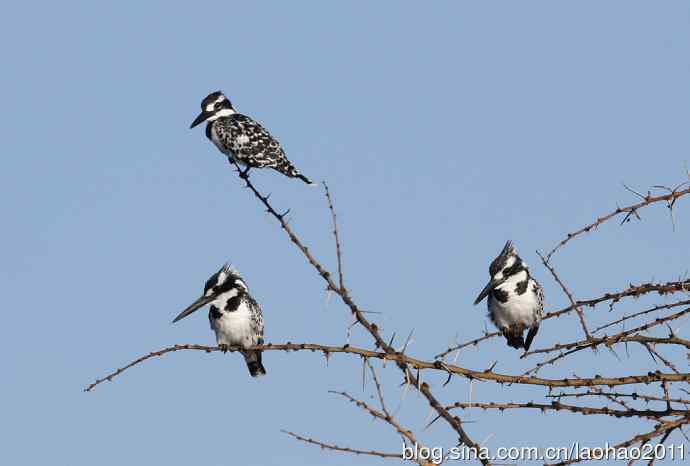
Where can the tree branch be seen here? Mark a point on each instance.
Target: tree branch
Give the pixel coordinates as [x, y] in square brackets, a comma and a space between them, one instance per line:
[670, 199]
[407, 362]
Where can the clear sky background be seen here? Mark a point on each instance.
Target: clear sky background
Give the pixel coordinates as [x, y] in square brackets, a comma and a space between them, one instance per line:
[443, 129]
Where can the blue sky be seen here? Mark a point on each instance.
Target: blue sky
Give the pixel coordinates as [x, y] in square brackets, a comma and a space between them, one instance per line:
[443, 130]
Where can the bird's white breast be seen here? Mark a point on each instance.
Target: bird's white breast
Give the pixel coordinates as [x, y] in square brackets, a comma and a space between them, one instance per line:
[520, 309]
[234, 328]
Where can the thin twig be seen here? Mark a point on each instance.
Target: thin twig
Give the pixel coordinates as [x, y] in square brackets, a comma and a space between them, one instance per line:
[648, 200]
[565, 289]
[331, 446]
[341, 277]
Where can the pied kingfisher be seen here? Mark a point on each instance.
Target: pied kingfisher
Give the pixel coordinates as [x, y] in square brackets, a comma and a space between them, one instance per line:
[234, 315]
[242, 139]
[516, 300]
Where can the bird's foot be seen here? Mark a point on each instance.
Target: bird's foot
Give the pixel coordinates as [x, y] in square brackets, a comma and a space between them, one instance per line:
[244, 174]
[224, 347]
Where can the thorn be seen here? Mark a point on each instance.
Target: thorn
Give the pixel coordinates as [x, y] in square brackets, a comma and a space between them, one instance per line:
[434, 420]
[407, 342]
[390, 342]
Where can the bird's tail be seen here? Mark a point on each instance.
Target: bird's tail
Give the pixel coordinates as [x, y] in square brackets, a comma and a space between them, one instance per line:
[288, 169]
[305, 179]
[530, 336]
[253, 360]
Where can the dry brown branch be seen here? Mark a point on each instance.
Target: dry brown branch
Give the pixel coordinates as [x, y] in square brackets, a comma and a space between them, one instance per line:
[408, 361]
[557, 406]
[634, 396]
[474, 342]
[656, 355]
[420, 375]
[406, 434]
[625, 336]
[569, 294]
[633, 291]
[660, 430]
[336, 235]
[661, 442]
[641, 313]
[331, 446]
[371, 328]
[631, 209]
[608, 342]
[379, 390]
[618, 401]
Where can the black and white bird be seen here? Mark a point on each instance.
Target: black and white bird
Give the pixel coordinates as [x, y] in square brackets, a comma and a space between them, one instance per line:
[515, 299]
[242, 139]
[234, 314]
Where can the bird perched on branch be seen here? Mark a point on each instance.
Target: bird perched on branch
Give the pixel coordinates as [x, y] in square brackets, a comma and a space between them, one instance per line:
[241, 139]
[515, 299]
[234, 315]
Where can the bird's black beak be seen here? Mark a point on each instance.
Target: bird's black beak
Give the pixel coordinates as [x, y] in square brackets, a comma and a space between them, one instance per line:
[488, 289]
[199, 303]
[203, 116]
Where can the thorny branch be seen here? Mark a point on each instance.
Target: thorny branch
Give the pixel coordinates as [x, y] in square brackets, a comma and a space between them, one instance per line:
[373, 330]
[634, 396]
[633, 405]
[557, 406]
[624, 336]
[633, 209]
[569, 294]
[634, 291]
[419, 364]
[336, 234]
[661, 429]
[331, 446]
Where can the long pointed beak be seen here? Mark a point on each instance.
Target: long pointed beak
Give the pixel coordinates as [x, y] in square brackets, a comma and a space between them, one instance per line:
[200, 119]
[487, 289]
[199, 303]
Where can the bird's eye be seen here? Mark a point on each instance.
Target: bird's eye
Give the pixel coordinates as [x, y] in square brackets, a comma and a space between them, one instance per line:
[217, 105]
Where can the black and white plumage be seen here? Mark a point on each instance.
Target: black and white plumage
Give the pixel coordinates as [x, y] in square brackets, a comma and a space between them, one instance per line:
[242, 139]
[234, 315]
[515, 299]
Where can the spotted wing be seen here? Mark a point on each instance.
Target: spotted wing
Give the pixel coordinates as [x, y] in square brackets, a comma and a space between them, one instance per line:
[251, 143]
[257, 319]
[540, 299]
[539, 291]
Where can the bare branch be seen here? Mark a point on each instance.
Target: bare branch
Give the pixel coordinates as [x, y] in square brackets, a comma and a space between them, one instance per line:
[634, 396]
[408, 361]
[373, 330]
[641, 313]
[341, 277]
[565, 289]
[660, 430]
[648, 200]
[624, 337]
[406, 434]
[634, 291]
[474, 342]
[557, 406]
[331, 446]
